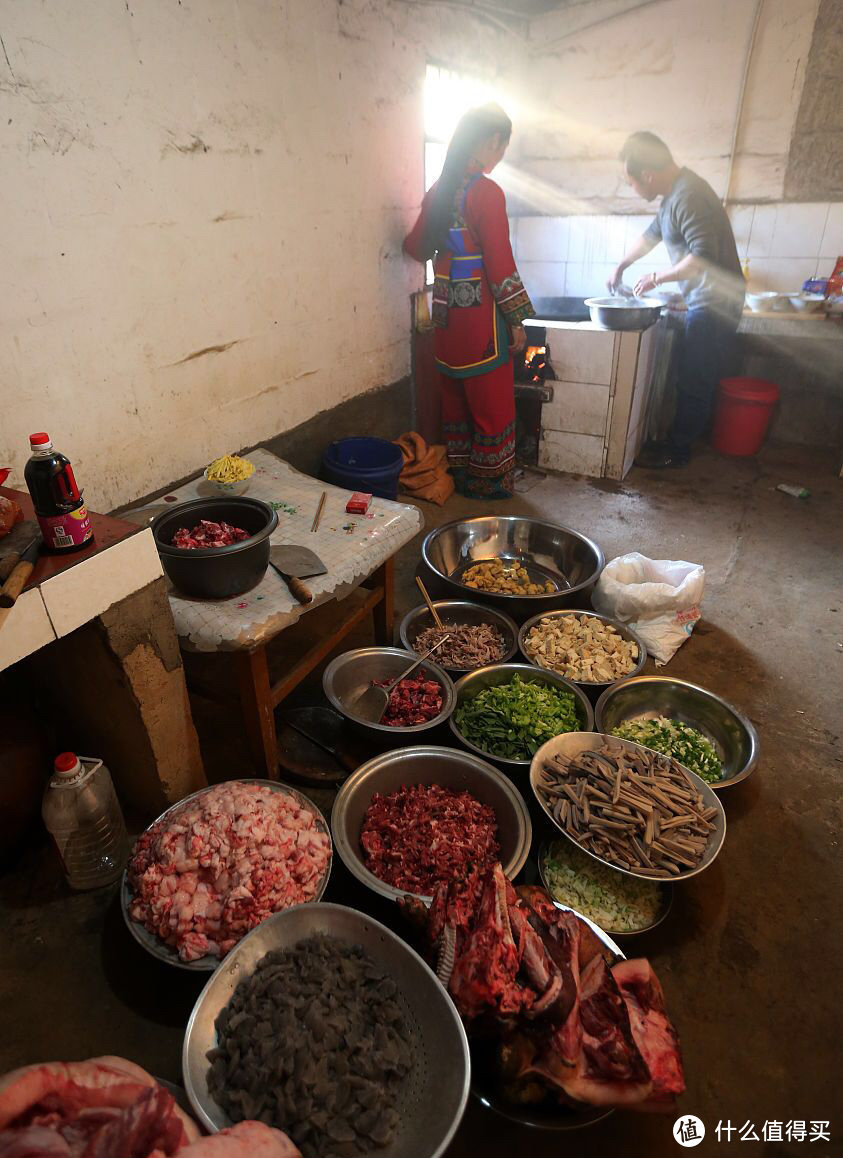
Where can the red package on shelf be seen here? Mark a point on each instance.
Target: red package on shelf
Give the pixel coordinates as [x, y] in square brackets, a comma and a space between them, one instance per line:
[359, 503]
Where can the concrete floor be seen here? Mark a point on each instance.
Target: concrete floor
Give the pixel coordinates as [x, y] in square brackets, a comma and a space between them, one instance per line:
[747, 956]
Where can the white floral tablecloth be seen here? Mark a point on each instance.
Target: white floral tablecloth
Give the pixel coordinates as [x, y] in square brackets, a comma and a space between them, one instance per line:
[350, 546]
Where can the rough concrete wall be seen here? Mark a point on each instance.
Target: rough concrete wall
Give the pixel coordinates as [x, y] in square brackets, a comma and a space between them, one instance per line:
[384, 413]
[203, 205]
[815, 165]
[774, 85]
[674, 67]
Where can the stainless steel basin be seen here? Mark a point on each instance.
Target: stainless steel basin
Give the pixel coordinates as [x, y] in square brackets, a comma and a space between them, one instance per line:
[621, 313]
[730, 732]
[432, 1099]
[623, 629]
[350, 674]
[460, 771]
[459, 611]
[492, 676]
[567, 558]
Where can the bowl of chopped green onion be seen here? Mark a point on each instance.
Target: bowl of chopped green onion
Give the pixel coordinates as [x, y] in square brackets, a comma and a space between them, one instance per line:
[620, 904]
[698, 728]
[507, 711]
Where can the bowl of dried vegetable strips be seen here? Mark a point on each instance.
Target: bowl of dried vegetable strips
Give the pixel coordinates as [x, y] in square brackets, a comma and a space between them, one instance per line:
[633, 809]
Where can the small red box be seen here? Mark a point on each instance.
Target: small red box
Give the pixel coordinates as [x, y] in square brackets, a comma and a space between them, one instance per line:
[359, 503]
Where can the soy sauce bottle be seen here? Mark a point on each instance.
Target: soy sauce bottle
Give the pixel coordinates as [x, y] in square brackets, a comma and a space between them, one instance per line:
[59, 506]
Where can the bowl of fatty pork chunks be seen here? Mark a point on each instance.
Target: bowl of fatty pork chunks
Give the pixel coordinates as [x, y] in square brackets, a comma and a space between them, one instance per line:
[219, 863]
[409, 820]
[215, 548]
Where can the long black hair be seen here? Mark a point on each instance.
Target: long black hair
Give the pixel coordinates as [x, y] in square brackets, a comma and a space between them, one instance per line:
[475, 128]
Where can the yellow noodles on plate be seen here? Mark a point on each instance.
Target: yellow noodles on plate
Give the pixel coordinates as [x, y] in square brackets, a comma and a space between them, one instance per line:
[229, 468]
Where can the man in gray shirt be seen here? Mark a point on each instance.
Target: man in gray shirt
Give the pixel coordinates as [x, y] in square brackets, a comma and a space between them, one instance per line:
[698, 235]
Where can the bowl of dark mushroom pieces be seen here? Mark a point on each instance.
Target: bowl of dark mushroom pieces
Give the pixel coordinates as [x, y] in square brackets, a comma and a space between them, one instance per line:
[325, 1024]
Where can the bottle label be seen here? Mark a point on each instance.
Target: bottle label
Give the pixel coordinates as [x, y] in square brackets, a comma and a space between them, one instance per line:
[73, 530]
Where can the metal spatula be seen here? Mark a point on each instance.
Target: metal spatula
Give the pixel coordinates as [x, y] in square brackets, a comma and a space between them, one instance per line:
[371, 704]
[295, 563]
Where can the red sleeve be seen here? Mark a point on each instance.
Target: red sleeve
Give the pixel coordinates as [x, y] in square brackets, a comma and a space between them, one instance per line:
[486, 208]
[415, 238]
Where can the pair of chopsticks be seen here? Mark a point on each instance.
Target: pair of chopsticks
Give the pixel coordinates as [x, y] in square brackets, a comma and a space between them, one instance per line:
[314, 526]
[430, 606]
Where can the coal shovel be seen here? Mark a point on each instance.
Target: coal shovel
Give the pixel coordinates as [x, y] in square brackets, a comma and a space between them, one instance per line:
[294, 564]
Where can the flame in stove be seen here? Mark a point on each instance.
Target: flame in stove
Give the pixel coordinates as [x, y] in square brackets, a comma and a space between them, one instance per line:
[535, 361]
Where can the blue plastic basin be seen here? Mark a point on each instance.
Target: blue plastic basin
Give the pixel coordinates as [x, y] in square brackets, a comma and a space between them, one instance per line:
[364, 464]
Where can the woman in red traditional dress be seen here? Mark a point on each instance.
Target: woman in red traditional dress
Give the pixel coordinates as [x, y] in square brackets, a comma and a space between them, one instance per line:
[479, 304]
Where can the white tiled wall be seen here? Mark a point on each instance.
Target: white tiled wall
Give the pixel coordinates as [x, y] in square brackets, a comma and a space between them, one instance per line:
[574, 256]
[572, 453]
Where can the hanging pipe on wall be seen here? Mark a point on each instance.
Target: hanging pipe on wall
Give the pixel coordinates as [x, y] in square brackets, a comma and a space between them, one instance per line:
[759, 6]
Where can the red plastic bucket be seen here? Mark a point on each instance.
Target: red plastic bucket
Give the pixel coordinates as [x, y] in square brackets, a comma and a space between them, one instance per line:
[744, 409]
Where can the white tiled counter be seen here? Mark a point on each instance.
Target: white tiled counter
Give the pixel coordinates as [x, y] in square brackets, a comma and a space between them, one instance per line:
[56, 605]
[596, 421]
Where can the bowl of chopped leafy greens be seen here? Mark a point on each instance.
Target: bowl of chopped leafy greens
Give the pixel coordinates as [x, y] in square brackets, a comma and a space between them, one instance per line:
[618, 903]
[698, 728]
[507, 711]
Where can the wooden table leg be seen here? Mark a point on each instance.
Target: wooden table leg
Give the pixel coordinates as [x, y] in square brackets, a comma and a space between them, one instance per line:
[384, 611]
[256, 700]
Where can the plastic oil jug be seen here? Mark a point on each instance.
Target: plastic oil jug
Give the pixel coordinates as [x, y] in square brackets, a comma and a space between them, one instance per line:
[83, 816]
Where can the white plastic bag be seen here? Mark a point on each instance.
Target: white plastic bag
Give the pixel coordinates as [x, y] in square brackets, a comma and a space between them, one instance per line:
[658, 598]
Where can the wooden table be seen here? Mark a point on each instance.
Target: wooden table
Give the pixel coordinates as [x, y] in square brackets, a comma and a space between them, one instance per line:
[358, 554]
[260, 696]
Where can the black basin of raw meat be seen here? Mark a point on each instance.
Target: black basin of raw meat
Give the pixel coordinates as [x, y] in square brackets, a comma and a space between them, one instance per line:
[216, 572]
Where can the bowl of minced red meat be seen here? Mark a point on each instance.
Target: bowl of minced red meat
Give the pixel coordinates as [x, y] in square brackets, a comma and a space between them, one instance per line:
[410, 819]
[214, 866]
[419, 703]
[215, 548]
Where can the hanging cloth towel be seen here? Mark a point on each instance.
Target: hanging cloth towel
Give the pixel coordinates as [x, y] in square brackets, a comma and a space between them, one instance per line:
[425, 474]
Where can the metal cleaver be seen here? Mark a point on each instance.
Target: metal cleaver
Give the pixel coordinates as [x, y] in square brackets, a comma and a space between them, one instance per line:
[294, 564]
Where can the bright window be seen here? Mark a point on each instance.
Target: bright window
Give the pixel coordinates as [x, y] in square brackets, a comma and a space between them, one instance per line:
[447, 95]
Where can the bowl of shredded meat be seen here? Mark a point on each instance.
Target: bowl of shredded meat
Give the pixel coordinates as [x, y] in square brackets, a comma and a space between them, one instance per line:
[419, 703]
[411, 819]
[215, 548]
[478, 635]
[214, 866]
